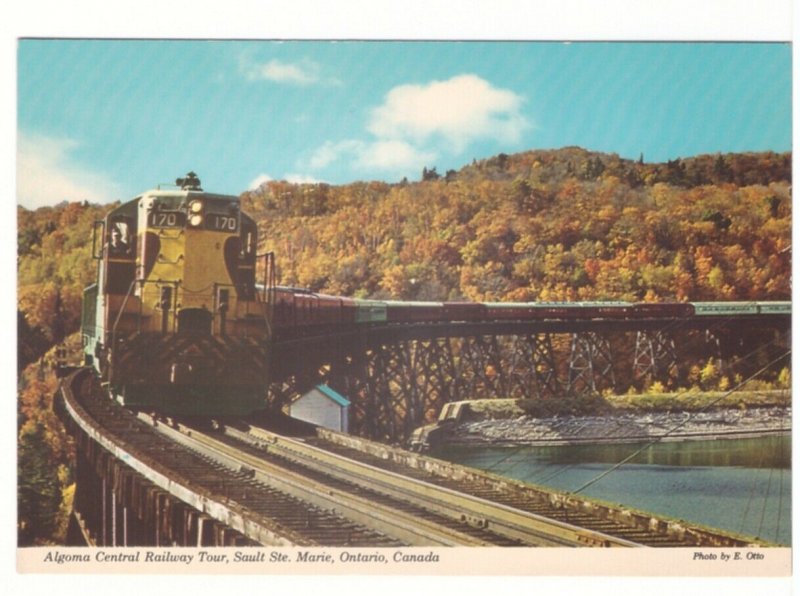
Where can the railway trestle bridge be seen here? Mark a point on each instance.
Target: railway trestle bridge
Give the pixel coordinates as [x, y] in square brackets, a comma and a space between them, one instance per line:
[141, 481]
[400, 377]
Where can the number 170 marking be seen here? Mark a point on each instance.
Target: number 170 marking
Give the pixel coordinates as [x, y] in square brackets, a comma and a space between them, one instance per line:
[225, 223]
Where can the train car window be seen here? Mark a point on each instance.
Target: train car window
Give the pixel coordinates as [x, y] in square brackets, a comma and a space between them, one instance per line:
[120, 239]
[119, 254]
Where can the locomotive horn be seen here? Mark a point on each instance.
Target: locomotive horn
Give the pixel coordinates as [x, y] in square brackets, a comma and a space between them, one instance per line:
[190, 182]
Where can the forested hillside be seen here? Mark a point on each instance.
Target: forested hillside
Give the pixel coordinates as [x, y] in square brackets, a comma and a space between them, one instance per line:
[54, 264]
[542, 225]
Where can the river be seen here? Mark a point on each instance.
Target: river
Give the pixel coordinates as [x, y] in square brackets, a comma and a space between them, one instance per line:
[740, 485]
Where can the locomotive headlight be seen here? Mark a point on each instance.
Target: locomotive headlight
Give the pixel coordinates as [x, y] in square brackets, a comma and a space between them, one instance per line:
[195, 207]
[195, 220]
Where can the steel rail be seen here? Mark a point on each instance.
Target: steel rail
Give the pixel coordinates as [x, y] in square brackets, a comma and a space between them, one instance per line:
[498, 518]
[388, 520]
[251, 525]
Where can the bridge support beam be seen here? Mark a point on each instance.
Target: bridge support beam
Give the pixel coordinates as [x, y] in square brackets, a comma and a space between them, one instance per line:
[591, 365]
[713, 339]
[396, 384]
[655, 356]
[438, 380]
[532, 368]
[116, 507]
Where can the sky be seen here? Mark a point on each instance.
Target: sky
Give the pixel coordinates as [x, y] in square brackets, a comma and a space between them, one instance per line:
[104, 119]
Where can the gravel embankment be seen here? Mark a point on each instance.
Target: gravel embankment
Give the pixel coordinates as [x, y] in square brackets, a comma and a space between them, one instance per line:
[623, 427]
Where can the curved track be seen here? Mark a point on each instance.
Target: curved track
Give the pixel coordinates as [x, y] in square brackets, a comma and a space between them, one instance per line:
[262, 513]
[413, 510]
[323, 491]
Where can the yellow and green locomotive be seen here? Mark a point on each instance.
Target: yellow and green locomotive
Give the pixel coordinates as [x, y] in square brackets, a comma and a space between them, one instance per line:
[175, 322]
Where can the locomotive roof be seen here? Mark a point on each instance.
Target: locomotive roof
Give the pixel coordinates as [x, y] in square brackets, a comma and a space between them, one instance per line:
[173, 197]
[157, 192]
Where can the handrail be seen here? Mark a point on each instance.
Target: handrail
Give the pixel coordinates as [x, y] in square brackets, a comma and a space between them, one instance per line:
[268, 296]
[114, 331]
[95, 254]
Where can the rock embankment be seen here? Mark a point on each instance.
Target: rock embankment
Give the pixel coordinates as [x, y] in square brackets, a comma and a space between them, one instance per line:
[624, 427]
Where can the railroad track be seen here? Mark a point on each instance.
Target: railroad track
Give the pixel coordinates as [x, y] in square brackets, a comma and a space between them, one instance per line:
[262, 513]
[410, 509]
[323, 491]
[639, 527]
[275, 498]
[531, 515]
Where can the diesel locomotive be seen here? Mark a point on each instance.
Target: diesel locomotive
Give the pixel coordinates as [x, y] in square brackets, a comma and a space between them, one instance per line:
[175, 321]
[178, 322]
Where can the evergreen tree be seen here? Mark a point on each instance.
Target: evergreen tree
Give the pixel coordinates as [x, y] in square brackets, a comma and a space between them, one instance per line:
[431, 174]
[38, 490]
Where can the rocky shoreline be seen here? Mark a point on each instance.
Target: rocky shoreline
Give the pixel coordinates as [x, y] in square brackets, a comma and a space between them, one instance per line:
[624, 427]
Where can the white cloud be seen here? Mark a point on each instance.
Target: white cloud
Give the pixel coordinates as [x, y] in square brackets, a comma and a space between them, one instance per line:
[459, 110]
[331, 152]
[259, 180]
[301, 179]
[47, 174]
[304, 73]
[387, 155]
[416, 124]
[293, 178]
[394, 155]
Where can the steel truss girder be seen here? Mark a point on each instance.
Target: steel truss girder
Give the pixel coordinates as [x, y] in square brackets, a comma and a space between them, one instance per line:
[532, 368]
[480, 367]
[655, 355]
[713, 338]
[392, 396]
[437, 378]
[591, 364]
[394, 387]
[398, 378]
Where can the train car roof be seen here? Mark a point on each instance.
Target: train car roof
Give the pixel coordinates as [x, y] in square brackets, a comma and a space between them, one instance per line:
[581, 304]
[725, 303]
[411, 303]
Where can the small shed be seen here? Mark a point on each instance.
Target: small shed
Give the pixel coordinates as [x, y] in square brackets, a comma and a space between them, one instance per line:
[322, 406]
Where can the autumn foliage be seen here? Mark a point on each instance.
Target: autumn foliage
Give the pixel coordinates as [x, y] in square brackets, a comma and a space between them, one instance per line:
[542, 225]
[54, 263]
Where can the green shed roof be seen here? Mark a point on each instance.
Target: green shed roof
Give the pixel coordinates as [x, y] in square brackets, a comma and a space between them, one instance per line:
[336, 397]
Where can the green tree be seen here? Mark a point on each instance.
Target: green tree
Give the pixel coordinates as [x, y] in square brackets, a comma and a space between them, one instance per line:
[38, 488]
[428, 175]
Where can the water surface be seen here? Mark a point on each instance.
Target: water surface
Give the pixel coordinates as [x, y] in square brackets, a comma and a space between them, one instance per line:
[741, 485]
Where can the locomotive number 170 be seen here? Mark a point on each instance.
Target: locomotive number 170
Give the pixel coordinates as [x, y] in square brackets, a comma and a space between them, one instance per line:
[223, 223]
[177, 219]
[167, 219]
